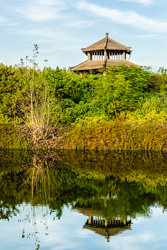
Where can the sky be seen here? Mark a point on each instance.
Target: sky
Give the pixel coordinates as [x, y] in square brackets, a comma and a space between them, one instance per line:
[68, 232]
[62, 27]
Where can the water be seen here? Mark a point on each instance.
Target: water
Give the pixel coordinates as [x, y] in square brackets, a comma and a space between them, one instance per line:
[77, 200]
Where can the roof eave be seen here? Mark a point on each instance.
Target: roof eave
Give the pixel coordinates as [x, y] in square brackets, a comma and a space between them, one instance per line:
[86, 50]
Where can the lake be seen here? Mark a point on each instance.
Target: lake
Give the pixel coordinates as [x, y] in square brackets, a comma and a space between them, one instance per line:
[83, 200]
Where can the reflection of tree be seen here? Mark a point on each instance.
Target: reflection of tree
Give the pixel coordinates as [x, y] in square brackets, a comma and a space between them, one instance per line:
[34, 217]
[7, 211]
[124, 199]
[107, 184]
[54, 180]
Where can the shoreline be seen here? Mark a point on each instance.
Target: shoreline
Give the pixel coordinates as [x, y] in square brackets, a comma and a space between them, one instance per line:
[99, 137]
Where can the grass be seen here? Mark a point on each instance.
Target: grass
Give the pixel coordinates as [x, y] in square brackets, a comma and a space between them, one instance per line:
[118, 136]
[12, 138]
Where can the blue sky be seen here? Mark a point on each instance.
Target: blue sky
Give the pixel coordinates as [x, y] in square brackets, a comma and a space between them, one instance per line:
[68, 232]
[62, 27]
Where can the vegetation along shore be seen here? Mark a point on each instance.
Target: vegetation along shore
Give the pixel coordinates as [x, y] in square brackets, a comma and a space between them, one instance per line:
[123, 109]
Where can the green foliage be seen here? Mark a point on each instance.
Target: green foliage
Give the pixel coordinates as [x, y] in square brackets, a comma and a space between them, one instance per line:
[69, 97]
[121, 98]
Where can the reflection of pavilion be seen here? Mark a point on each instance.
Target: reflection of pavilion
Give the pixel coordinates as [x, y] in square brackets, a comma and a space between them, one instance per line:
[104, 226]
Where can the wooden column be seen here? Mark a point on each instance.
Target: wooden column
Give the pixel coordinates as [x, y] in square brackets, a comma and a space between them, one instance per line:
[124, 222]
[105, 54]
[90, 219]
[89, 57]
[124, 55]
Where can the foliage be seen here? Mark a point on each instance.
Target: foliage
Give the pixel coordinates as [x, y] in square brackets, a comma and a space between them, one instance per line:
[118, 135]
[11, 137]
[69, 97]
[125, 108]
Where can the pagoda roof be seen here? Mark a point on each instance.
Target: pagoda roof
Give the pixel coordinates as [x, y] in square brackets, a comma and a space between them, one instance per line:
[100, 64]
[108, 44]
[110, 231]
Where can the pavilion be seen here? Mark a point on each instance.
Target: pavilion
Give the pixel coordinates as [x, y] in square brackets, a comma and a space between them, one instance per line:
[103, 54]
[104, 226]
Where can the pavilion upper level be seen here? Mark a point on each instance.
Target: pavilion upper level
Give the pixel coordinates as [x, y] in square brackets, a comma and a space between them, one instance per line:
[104, 53]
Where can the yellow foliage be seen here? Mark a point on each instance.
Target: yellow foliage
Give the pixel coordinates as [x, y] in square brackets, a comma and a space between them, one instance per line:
[119, 135]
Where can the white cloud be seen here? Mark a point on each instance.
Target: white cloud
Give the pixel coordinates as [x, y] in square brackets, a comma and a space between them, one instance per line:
[58, 39]
[145, 2]
[124, 17]
[44, 33]
[11, 24]
[6, 22]
[80, 24]
[147, 36]
[3, 20]
[48, 2]
[41, 10]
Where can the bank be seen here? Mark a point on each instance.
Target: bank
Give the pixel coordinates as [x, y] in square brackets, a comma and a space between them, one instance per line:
[102, 136]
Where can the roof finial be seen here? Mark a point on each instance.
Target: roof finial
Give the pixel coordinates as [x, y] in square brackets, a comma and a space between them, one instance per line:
[107, 35]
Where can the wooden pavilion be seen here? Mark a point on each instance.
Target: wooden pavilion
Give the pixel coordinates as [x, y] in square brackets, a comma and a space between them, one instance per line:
[107, 228]
[102, 54]
[104, 226]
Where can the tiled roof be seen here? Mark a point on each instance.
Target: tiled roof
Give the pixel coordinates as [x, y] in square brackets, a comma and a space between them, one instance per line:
[99, 64]
[110, 231]
[108, 44]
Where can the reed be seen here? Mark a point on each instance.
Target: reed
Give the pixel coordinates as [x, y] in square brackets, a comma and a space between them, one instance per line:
[11, 137]
[118, 136]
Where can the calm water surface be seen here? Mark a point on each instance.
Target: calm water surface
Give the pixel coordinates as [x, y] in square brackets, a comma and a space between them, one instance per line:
[76, 200]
